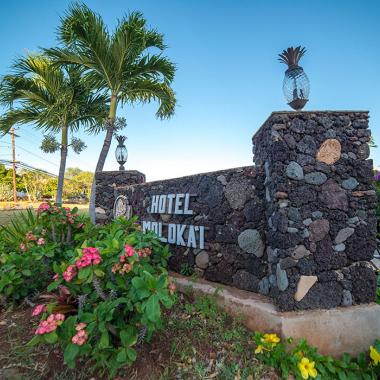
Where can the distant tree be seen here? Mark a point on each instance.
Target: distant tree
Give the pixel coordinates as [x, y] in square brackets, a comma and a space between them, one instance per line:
[78, 183]
[35, 184]
[53, 99]
[6, 178]
[119, 64]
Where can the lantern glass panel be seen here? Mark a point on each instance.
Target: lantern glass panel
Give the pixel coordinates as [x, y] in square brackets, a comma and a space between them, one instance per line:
[296, 87]
[121, 154]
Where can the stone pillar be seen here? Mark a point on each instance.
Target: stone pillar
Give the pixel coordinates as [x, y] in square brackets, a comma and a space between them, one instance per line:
[320, 208]
[107, 186]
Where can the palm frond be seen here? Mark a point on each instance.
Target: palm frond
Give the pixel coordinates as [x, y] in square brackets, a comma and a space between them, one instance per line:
[146, 91]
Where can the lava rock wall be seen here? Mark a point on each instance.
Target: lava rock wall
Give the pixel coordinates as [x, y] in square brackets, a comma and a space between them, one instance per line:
[228, 204]
[299, 226]
[320, 208]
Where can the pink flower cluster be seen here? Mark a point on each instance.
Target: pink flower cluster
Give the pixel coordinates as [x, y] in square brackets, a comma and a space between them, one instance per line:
[81, 336]
[43, 207]
[23, 247]
[90, 255]
[39, 309]
[69, 273]
[129, 251]
[118, 268]
[41, 241]
[50, 324]
[30, 236]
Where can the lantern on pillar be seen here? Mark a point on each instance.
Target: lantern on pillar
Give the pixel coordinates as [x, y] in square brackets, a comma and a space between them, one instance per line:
[296, 86]
[121, 152]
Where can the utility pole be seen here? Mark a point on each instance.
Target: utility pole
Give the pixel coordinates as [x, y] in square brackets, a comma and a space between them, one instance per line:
[14, 165]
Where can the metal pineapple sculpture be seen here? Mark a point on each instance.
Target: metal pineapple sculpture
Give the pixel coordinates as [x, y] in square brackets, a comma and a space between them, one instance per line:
[296, 85]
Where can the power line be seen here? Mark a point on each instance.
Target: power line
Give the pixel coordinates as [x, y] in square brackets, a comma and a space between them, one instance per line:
[23, 165]
[33, 154]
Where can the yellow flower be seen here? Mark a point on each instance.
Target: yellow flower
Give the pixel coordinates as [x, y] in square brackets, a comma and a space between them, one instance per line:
[259, 349]
[271, 338]
[307, 369]
[375, 356]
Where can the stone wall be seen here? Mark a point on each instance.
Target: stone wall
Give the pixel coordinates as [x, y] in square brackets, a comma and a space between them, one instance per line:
[299, 226]
[320, 208]
[228, 203]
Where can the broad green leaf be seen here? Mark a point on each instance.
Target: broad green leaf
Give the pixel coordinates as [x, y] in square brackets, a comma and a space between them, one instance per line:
[26, 272]
[84, 273]
[51, 337]
[152, 308]
[128, 336]
[104, 340]
[71, 351]
[121, 356]
[132, 354]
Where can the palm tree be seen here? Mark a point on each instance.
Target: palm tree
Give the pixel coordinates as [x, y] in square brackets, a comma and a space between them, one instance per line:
[119, 64]
[53, 99]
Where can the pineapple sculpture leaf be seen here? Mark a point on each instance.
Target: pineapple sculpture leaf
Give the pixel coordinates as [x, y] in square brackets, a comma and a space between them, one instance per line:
[291, 56]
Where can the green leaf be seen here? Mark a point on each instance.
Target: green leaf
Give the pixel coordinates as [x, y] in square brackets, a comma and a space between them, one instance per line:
[132, 354]
[139, 283]
[152, 308]
[51, 337]
[54, 285]
[121, 356]
[87, 317]
[99, 272]
[84, 273]
[115, 244]
[128, 336]
[35, 340]
[26, 272]
[71, 351]
[104, 340]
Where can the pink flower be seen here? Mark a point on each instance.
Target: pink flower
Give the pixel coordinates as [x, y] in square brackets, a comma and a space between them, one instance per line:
[41, 241]
[39, 309]
[51, 324]
[80, 326]
[56, 277]
[129, 250]
[23, 247]
[90, 255]
[80, 337]
[43, 207]
[30, 236]
[172, 288]
[69, 273]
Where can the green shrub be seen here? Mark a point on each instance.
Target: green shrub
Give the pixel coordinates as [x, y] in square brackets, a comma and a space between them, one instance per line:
[30, 244]
[112, 290]
[304, 362]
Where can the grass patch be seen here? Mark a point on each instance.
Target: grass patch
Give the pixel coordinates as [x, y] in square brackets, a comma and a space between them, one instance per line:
[198, 341]
[7, 213]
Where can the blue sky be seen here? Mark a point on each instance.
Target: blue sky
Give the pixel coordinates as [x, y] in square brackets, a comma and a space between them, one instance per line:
[228, 79]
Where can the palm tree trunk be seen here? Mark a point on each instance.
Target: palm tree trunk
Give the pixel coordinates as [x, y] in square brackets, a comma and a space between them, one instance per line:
[103, 153]
[62, 165]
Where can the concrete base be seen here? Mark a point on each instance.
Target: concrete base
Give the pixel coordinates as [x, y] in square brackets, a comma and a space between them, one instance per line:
[335, 331]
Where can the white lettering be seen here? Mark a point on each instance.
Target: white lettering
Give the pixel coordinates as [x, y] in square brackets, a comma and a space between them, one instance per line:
[154, 206]
[155, 227]
[186, 208]
[146, 226]
[162, 204]
[191, 242]
[180, 231]
[201, 237]
[171, 233]
[170, 205]
[178, 204]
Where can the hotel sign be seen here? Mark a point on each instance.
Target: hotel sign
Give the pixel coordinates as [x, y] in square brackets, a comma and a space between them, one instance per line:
[173, 233]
